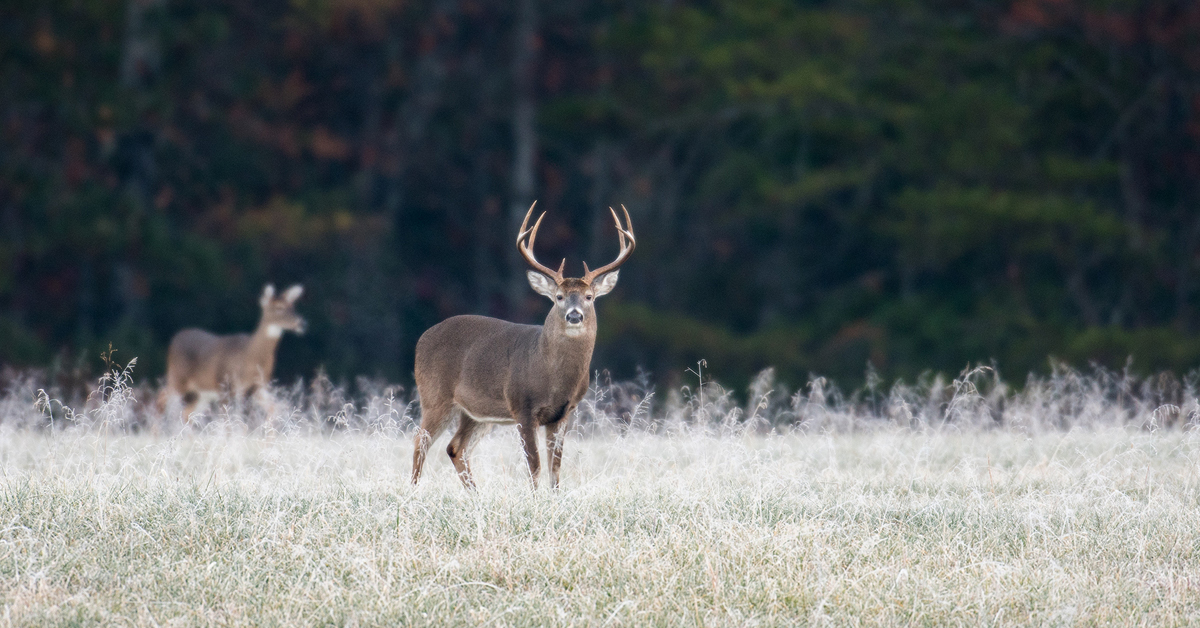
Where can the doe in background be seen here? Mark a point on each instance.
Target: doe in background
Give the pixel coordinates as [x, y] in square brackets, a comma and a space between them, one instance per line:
[200, 363]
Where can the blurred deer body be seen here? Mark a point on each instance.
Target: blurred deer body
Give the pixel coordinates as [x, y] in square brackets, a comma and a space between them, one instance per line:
[200, 364]
[482, 370]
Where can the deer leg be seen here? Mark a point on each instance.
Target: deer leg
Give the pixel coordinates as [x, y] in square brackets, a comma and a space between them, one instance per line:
[160, 402]
[263, 398]
[166, 400]
[528, 433]
[434, 417]
[421, 442]
[191, 399]
[555, 433]
[460, 446]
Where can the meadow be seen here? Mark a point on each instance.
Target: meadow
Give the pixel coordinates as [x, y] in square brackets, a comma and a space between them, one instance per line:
[1073, 501]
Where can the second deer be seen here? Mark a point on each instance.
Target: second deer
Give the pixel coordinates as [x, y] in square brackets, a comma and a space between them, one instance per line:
[200, 363]
[482, 370]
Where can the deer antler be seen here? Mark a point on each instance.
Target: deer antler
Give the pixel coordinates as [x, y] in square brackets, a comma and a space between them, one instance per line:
[623, 232]
[526, 247]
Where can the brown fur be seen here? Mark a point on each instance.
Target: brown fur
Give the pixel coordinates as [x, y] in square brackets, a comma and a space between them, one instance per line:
[199, 362]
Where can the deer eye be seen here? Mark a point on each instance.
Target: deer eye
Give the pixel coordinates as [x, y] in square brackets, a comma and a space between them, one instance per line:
[589, 297]
[559, 297]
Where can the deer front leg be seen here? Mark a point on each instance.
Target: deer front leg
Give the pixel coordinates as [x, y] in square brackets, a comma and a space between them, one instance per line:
[529, 439]
[261, 396]
[555, 434]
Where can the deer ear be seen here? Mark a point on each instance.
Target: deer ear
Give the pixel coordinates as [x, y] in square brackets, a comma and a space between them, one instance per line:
[293, 293]
[542, 284]
[605, 283]
[267, 295]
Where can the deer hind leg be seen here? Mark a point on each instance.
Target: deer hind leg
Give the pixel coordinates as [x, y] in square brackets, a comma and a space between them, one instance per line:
[528, 433]
[555, 433]
[460, 447]
[435, 416]
[260, 395]
[197, 401]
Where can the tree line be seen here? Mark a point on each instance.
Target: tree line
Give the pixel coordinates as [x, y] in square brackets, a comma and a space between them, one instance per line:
[815, 185]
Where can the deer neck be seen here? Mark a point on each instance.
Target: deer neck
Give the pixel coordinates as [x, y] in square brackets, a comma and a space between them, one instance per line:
[263, 343]
[564, 351]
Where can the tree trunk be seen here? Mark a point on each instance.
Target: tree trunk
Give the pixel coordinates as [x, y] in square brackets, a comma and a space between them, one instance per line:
[141, 62]
[524, 143]
[601, 240]
[412, 116]
[373, 332]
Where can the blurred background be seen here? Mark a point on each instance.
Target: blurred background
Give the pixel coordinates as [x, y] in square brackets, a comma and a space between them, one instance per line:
[816, 186]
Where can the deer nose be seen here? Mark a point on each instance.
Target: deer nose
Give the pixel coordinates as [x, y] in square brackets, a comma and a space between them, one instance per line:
[574, 316]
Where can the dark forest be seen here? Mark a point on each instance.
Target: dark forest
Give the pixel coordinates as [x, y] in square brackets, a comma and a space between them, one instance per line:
[816, 186]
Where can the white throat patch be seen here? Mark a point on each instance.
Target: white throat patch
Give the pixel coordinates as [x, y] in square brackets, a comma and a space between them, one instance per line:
[274, 331]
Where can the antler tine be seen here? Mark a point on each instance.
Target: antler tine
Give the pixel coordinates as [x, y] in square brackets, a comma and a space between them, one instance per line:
[621, 231]
[627, 241]
[526, 246]
[525, 223]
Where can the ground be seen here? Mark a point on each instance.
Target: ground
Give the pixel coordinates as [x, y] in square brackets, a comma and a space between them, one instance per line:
[885, 526]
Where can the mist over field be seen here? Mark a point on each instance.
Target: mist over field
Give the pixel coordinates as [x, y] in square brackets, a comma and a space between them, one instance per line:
[1074, 500]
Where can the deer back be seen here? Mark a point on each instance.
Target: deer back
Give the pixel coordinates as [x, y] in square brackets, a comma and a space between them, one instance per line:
[205, 361]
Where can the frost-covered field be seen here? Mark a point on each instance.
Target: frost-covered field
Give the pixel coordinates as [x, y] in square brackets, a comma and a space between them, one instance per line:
[889, 527]
[845, 512]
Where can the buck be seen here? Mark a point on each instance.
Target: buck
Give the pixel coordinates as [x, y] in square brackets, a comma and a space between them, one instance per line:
[200, 363]
[482, 370]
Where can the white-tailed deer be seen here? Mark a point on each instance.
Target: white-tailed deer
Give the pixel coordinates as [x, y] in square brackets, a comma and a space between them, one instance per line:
[484, 370]
[199, 363]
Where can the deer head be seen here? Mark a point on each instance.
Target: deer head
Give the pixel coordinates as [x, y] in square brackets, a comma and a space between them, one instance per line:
[279, 312]
[574, 298]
